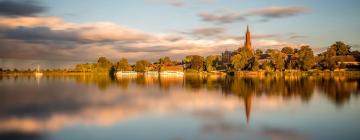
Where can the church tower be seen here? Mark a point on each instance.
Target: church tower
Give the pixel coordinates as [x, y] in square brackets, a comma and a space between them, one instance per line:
[247, 43]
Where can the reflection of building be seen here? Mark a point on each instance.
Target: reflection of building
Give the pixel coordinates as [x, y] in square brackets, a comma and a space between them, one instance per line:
[247, 103]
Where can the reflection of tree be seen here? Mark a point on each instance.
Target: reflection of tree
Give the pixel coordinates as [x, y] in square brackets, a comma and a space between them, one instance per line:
[287, 88]
[338, 90]
[195, 82]
[165, 82]
[102, 81]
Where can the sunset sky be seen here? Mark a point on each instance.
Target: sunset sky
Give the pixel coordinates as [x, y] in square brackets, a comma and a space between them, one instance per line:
[61, 33]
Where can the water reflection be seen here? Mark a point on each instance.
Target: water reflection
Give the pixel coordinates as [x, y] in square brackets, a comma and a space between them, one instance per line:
[32, 106]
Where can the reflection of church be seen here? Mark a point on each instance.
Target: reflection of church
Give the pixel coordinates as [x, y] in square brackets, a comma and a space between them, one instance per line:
[247, 105]
[226, 56]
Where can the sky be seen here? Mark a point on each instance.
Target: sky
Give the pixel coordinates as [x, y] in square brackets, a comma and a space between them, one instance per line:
[60, 34]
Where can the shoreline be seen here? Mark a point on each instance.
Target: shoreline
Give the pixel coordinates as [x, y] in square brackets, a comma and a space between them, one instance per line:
[216, 73]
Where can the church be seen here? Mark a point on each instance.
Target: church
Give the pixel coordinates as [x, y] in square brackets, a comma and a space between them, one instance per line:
[226, 56]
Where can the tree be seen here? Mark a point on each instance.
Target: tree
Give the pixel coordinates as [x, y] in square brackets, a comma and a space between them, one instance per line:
[197, 63]
[278, 60]
[141, 65]
[340, 48]
[187, 59]
[269, 51]
[306, 58]
[287, 50]
[266, 66]
[166, 61]
[242, 60]
[328, 59]
[210, 63]
[123, 65]
[258, 52]
[104, 63]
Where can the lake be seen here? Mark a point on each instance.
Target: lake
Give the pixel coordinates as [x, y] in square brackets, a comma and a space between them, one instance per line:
[90, 107]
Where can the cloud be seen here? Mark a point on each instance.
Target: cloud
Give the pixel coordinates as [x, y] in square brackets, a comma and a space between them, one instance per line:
[43, 112]
[53, 28]
[40, 34]
[265, 14]
[278, 12]
[205, 32]
[177, 3]
[221, 18]
[51, 38]
[20, 8]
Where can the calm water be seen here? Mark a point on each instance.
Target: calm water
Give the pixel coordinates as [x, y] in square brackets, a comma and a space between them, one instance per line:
[170, 108]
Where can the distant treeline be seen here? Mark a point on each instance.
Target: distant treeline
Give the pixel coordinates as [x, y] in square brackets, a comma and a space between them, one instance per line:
[338, 56]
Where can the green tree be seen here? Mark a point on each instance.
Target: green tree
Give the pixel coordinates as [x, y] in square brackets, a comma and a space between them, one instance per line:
[123, 65]
[141, 65]
[197, 63]
[287, 50]
[340, 48]
[306, 58]
[210, 63]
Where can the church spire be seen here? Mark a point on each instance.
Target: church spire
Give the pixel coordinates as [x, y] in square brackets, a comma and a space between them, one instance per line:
[247, 43]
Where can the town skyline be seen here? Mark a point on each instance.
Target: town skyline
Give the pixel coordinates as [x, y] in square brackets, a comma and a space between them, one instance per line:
[47, 33]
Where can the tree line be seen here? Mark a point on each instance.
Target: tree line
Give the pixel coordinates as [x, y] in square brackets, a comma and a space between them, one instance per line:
[337, 56]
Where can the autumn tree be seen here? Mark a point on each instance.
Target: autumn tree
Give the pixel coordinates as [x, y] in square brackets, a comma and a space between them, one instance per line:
[166, 61]
[278, 60]
[210, 62]
[287, 50]
[197, 63]
[242, 60]
[258, 52]
[306, 58]
[340, 48]
[328, 59]
[123, 65]
[103, 63]
[141, 65]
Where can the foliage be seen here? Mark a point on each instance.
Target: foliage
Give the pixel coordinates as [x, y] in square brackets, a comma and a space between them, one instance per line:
[197, 63]
[278, 60]
[306, 58]
[258, 52]
[287, 50]
[123, 65]
[166, 61]
[104, 63]
[241, 61]
[210, 63]
[328, 60]
[340, 48]
[141, 65]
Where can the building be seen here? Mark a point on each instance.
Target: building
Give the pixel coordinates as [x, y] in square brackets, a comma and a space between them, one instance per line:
[247, 43]
[226, 56]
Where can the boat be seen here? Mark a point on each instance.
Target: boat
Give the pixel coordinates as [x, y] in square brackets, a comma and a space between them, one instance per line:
[152, 73]
[126, 73]
[171, 73]
[38, 73]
